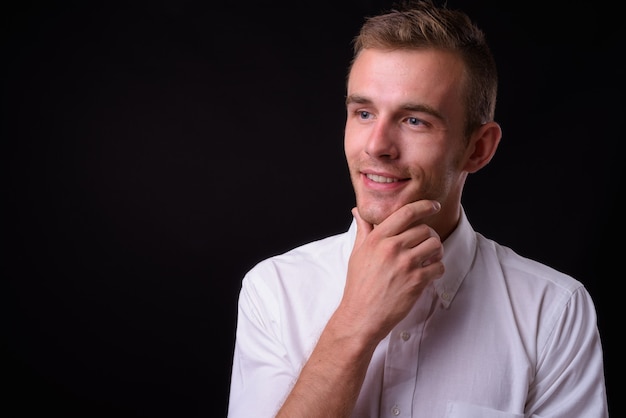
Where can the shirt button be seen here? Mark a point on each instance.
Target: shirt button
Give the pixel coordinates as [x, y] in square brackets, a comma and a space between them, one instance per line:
[395, 410]
[445, 296]
[405, 335]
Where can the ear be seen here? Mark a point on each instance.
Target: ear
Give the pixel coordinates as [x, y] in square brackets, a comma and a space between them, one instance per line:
[482, 146]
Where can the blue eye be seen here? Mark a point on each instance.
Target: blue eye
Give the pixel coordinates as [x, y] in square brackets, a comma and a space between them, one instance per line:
[364, 114]
[414, 121]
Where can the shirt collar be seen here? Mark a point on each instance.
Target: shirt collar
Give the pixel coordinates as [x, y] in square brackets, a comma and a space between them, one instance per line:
[458, 256]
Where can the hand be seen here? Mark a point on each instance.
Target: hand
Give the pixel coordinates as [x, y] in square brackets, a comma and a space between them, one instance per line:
[390, 265]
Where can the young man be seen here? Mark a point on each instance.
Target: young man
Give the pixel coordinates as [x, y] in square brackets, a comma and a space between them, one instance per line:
[412, 313]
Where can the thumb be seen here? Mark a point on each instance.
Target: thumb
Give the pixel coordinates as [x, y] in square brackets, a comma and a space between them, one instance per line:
[362, 228]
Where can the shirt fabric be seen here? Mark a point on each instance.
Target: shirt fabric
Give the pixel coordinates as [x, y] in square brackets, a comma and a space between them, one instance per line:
[498, 336]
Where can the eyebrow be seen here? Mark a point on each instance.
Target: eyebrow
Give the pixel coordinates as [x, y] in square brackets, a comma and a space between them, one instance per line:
[354, 98]
[414, 107]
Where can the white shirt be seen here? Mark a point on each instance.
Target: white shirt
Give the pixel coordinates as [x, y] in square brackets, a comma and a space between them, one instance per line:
[498, 336]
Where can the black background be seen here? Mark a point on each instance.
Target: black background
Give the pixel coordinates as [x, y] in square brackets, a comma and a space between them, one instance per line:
[156, 151]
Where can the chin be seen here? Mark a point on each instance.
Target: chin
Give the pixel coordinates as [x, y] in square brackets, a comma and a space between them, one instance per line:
[374, 215]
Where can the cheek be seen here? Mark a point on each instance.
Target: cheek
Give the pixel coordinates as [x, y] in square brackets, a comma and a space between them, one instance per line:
[432, 167]
[350, 146]
[446, 172]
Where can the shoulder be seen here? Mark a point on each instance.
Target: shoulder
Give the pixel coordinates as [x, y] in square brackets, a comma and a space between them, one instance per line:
[522, 269]
[319, 260]
[305, 282]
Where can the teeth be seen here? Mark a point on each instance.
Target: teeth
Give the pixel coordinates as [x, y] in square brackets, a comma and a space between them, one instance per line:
[380, 179]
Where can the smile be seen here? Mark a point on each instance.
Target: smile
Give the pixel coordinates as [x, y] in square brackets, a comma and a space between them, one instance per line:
[380, 179]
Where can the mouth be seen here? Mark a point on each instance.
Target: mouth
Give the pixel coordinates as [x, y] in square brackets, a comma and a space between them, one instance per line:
[383, 182]
[381, 179]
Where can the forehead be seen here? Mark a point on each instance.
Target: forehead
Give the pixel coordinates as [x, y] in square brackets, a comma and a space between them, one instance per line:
[407, 75]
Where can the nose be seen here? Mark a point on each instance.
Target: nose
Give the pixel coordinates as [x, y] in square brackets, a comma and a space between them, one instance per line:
[382, 141]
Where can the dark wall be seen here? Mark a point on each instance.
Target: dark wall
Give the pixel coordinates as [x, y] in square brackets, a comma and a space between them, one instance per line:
[156, 151]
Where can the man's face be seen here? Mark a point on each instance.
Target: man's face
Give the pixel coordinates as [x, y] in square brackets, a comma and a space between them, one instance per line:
[404, 130]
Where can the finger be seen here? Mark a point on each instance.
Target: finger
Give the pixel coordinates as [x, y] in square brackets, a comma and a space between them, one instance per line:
[362, 228]
[407, 216]
[433, 250]
[434, 270]
[417, 234]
